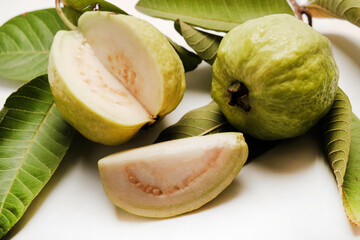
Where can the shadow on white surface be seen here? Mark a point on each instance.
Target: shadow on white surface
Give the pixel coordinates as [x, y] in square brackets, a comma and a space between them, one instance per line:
[290, 156]
[199, 80]
[13, 84]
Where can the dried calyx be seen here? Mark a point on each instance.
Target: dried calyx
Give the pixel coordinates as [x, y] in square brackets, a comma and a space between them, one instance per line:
[239, 95]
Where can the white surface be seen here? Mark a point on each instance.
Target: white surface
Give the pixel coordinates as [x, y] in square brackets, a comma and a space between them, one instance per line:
[288, 193]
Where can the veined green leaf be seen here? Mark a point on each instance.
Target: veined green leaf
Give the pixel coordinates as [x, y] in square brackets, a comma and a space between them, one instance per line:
[89, 5]
[351, 185]
[205, 44]
[198, 122]
[33, 140]
[208, 120]
[71, 14]
[25, 43]
[341, 138]
[189, 59]
[336, 128]
[347, 9]
[213, 14]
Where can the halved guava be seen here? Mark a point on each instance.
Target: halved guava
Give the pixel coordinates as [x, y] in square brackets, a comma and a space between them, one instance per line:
[173, 177]
[113, 75]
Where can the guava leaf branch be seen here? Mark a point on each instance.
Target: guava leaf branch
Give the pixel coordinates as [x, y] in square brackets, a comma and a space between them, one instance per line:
[349, 10]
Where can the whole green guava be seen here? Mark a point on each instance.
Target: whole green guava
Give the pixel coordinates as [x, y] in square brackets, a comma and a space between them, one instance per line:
[274, 77]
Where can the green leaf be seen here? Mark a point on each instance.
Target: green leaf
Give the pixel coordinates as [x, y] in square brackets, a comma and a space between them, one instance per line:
[341, 138]
[351, 185]
[205, 44]
[25, 43]
[73, 9]
[208, 120]
[89, 5]
[336, 137]
[214, 14]
[72, 15]
[198, 122]
[346, 9]
[33, 140]
[189, 59]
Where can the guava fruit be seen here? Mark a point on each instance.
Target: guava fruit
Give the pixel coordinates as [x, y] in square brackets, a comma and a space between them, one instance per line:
[113, 75]
[274, 77]
[173, 177]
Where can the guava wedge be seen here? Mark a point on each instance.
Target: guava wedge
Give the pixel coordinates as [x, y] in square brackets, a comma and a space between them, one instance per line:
[170, 178]
[113, 75]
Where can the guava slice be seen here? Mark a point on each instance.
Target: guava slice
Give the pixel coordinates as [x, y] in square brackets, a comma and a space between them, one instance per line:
[173, 177]
[113, 75]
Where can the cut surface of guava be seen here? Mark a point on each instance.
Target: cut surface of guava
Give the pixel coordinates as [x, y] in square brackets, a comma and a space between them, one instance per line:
[125, 55]
[95, 86]
[113, 75]
[174, 177]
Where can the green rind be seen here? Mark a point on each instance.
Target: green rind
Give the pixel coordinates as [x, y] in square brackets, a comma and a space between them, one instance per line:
[170, 65]
[25, 43]
[291, 77]
[205, 44]
[336, 135]
[351, 184]
[33, 140]
[215, 14]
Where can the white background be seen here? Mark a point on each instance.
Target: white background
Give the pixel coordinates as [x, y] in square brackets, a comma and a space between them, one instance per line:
[287, 193]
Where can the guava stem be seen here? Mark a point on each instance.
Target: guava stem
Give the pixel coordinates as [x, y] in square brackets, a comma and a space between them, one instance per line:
[63, 17]
[301, 10]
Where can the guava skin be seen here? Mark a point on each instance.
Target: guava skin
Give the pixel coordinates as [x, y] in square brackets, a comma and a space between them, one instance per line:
[103, 121]
[184, 173]
[287, 72]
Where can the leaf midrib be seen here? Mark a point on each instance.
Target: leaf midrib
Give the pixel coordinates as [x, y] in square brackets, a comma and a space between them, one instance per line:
[24, 155]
